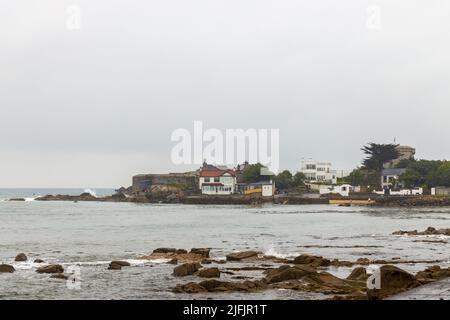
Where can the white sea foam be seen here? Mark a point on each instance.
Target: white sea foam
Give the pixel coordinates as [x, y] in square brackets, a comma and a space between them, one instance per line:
[272, 252]
[91, 192]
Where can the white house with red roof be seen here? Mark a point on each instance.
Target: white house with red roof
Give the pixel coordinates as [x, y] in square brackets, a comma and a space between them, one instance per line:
[216, 180]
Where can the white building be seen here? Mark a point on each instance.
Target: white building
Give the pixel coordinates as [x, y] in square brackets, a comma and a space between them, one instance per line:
[344, 190]
[318, 172]
[215, 181]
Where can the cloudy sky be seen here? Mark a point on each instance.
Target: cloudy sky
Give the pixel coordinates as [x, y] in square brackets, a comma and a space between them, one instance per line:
[90, 102]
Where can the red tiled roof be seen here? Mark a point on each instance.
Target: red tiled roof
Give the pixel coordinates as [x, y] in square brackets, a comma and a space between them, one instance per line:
[215, 173]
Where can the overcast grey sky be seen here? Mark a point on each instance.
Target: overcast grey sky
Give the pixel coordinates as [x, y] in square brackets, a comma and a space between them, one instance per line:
[90, 107]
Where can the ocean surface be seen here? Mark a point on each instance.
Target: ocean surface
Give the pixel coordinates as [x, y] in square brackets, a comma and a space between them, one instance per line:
[86, 236]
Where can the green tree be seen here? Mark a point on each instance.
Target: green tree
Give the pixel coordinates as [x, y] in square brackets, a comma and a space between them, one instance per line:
[252, 173]
[363, 177]
[378, 155]
[284, 180]
[298, 180]
[427, 174]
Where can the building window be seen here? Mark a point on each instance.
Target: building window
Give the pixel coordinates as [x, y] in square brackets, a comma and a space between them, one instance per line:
[310, 167]
[207, 179]
[216, 179]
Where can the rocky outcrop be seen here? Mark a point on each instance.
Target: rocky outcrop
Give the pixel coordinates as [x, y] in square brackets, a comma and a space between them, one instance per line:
[51, 268]
[392, 280]
[204, 252]
[358, 274]
[6, 268]
[21, 257]
[412, 201]
[285, 273]
[432, 274]
[238, 256]
[169, 250]
[117, 265]
[315, 261]
[178, 255]
[427, 232]
[209, 273]
[220, 286]
[186, 269]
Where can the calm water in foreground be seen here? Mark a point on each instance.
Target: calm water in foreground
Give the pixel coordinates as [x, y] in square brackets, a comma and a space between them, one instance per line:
[89, 235]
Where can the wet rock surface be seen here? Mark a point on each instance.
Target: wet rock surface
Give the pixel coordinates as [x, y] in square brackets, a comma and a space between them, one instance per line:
[238, 256]
[429, 231]
[315, 261]
[209, 273]
[186, 269]
[21, 257]
[117, 265]
[51, 268]
[6, 268]
[393, 280]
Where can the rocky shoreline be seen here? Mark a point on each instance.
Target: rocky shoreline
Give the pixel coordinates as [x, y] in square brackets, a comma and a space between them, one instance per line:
[250, 271]
[174, 198]
[305, 273]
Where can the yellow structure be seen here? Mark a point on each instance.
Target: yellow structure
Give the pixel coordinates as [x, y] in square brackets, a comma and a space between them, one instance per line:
[253, 191]
[368, 201]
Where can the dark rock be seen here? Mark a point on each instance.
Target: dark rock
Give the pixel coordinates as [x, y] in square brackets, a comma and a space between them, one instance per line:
[61, 276]
[286, 272]
[165, 250]
[186, 269]
[173, 261]
[38, 261]
[51, 268]
[21, 257]
[6, 268]
[393, 280]
[358, 274]
[201, 251]
[432, 274]
[209, 273]
[238, 256]
[117, 265]
[17, 199]
[428, 231]
[314, 261]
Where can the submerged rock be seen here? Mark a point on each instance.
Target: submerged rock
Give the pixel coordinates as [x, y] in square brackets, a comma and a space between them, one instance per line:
[38, 261]
[238, 256]
[186, 269]
[209, 273]
[6, 268]
[51, 268]
[21, 257]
